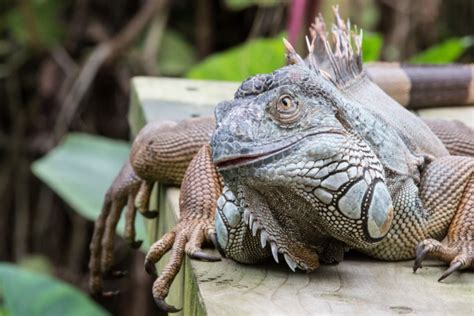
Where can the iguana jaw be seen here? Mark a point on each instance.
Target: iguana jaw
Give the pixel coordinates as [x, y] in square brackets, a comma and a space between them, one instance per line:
[253, 155]
[229, 162]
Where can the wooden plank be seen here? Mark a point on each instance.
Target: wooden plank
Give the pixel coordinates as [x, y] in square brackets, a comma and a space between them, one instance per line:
[359, 285]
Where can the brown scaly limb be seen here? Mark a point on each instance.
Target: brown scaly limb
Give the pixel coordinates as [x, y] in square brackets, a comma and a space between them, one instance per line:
[168, 148]
[457, 248]
[199, 192]
[122, 191]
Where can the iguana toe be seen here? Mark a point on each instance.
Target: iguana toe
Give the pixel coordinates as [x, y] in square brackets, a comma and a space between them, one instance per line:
[458, 254]
[201, 255]
[453, 267]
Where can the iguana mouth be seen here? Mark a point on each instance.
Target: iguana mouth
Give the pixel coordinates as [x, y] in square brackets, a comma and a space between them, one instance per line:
[242, 160]
[266, 151]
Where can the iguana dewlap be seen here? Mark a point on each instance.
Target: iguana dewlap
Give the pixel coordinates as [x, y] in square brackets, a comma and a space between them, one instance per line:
[305, 163]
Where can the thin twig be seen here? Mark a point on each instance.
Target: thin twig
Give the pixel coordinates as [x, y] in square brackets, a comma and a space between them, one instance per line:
[105, 52]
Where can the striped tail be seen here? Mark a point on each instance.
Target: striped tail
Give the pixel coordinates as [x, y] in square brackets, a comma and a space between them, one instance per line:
[425, 86]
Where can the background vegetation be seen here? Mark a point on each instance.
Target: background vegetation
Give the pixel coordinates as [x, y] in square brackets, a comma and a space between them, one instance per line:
[65, 68]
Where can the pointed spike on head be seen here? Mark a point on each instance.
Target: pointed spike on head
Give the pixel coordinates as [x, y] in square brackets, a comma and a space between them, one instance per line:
[292, 57]
[320, 26]
[358, 42]
[339, 22]
[308, 45]
[288, 46]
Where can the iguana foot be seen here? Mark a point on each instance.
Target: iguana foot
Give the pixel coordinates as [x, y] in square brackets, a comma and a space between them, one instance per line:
[196, 226]
[122, 193]
[459, 255]
[187, 237]
[451, 181]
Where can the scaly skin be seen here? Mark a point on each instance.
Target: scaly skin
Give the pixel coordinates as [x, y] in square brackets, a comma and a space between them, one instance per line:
[315, 160]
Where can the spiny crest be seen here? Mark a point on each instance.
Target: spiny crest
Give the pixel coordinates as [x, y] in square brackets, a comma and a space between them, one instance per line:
[336, 61]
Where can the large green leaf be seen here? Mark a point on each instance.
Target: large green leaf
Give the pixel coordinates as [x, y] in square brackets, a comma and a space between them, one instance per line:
[446, 52]
[238, 63]
[81, 169]
[261, 56]
[24, 292]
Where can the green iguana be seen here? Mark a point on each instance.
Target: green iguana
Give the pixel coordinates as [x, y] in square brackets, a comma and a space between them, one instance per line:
[305, 163]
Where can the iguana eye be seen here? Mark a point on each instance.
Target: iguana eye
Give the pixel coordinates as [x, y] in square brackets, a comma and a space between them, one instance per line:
[286, 109]
[285, 104]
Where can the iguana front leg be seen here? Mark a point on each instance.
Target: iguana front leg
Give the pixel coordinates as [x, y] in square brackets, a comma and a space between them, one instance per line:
[121, 193]
[200, 190]
[161, 152]
[447, 190]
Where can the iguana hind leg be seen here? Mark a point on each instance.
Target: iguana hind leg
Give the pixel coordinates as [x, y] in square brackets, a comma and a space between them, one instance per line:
[451, 182]
[200, 190]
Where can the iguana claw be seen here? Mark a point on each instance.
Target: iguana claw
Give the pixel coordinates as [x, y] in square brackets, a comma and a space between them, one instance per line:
[457, 254]
[150, 214]
[162, 305]
[421, 252]
[150, 268]
[201, 255]
[136, 244]
[453, 267]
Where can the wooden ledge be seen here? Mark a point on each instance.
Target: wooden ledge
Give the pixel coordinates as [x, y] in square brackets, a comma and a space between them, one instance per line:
[359, 285]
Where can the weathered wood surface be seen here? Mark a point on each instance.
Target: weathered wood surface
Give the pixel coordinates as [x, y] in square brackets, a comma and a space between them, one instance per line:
[359, 285]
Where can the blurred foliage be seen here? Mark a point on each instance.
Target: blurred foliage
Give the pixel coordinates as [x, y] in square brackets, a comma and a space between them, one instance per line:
[238, 63]
[261, 56]
[39, 19]
[447, 51]
[371, 46]
[81, 169]
[23, 292]
[266, 55]
[37, 263]
[176, 55]
[244, 4]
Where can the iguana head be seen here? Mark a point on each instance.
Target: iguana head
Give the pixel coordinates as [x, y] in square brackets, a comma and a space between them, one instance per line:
[285, 138]
[283, 133]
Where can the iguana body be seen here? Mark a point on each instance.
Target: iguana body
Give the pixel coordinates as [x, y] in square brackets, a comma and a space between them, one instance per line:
[311, 160]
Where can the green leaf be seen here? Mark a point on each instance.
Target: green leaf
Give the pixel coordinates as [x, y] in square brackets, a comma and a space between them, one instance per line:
[243, 4]
[27, 293]
[3, 311]
[176, 54]
[371, 46]
[238, 63]
[45, 19]
[446, 52]
[81, 169]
